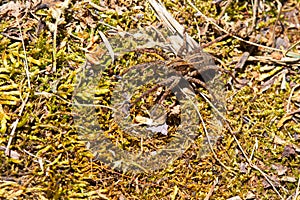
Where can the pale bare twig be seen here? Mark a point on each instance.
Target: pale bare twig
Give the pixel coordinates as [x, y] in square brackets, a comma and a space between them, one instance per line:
[25, 55]
[205, 130]
[15, 123]
[216, 181]
[27, 152]
[290, 48]
[108, 46]
[290, 98]
[297, 190]
[253, 165]
[173, 25]
[269, 59]
[224, 9]
[243, 152]
[255, 146]
[198, 29]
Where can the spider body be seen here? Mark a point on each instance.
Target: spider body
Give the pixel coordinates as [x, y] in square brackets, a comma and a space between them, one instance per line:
[197, 68]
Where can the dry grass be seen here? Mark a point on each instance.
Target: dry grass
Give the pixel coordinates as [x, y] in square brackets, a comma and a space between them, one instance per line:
[44, 45]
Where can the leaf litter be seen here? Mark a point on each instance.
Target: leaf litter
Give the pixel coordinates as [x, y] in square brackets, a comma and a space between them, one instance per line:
[51, 162]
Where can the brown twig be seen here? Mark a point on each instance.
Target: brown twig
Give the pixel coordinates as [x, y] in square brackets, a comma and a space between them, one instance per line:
[218, 39]
[254, 16]
[273, 34]
[242, 60]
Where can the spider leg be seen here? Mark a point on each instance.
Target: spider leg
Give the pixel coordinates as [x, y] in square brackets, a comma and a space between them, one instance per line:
[180, 65]
[156, 51]
[175, 80]
[202, 70]
[147, 93]
[170, 82]
[141, 66]
[196, 81]
[202, 84]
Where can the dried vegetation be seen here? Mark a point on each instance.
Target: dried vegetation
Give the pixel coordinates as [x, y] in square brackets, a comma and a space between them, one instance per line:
[44, 43]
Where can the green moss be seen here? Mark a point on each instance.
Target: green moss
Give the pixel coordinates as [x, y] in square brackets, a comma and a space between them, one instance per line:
[54, 163]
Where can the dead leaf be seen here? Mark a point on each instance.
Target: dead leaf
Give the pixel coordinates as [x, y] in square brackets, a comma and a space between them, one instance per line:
[288, 179]
[288, 151]
[280, 169]
[250, 195]
[278, 140]
[163, 129]
[243, 168]
[242, 61]
[235, 198]
[276, 55]
[12, 7]
[11, 153]
[175, 110]
[142, 120]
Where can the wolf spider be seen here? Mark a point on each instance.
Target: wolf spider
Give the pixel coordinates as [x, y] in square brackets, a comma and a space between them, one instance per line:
[196, 68]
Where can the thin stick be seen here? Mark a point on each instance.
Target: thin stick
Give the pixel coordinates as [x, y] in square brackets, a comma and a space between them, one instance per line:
[218, 39]
[36, 156]
[255, 146]
[172, 24]
[254, 10]
[14, 126]
[216, 181]
[224, 9]
[291, 47]
[15, 123]
[242, 150]
[290, 98]
[25, 55]
[206, 132]
[108, 46]
[297, 190]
